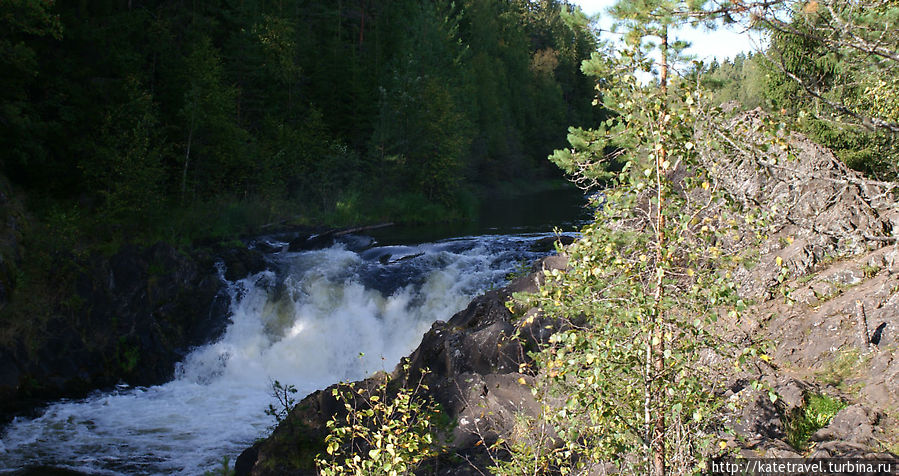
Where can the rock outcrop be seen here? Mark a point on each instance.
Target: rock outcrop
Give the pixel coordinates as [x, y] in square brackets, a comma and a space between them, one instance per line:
[129, 319]
[816, 208]
[824, 280]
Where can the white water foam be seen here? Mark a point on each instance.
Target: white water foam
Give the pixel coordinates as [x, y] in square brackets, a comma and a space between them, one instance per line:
[311, 324]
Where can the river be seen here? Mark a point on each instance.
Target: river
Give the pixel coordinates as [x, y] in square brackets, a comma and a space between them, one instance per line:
[312, 319]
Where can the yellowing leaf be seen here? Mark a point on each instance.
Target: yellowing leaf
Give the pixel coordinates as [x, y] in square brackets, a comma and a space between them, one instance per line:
[779, 261]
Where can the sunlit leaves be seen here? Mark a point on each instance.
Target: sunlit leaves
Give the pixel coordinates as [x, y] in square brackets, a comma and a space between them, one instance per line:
[379, 433]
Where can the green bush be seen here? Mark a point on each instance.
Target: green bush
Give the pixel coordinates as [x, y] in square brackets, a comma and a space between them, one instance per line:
[380, 434]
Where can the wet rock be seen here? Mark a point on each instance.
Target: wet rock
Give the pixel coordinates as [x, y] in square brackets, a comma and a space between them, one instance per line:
[268, 246]
[549, 243]
[311, 242]
[241, 262]
[356, 243]
[246, 460]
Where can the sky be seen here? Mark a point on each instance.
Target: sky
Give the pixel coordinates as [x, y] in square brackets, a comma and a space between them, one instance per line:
[721, 43]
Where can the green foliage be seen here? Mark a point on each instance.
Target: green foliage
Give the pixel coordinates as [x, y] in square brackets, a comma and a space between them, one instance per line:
[382, 433]
[25, 28]
[210, 126]
[127, 355]
[741, 79]
[803, 422]
[126, 170]
[826, 66]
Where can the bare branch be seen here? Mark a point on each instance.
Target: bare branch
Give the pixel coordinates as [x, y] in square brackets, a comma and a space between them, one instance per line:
[869, 122]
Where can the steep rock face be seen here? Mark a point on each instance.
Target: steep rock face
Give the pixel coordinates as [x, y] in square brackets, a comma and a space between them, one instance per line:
[816, 207]
[131, 317]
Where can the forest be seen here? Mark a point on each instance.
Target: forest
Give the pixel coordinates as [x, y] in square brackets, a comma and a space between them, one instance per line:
[139, 121]
[135, 121]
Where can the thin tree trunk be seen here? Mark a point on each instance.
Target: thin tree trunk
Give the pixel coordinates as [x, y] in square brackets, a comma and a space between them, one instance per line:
[658, 338]
[657, 341]
[647, 399]
[864, 337]
[663, 74]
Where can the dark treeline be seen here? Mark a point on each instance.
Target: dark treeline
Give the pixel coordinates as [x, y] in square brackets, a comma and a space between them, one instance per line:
[142, 117]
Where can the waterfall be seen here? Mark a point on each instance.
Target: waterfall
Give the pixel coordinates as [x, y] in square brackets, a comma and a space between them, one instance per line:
[313, 319]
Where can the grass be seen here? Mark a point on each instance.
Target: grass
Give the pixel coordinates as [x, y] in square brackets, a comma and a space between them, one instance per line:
[841, 367]
[869, 271]
[802, 423]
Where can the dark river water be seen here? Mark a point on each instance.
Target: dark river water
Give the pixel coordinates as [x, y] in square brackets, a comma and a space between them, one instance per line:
[541, 212]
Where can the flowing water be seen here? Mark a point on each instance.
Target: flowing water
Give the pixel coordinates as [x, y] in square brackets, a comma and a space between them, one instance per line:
[313, 319]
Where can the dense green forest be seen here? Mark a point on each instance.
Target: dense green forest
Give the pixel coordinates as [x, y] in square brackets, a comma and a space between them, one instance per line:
[144, 120]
